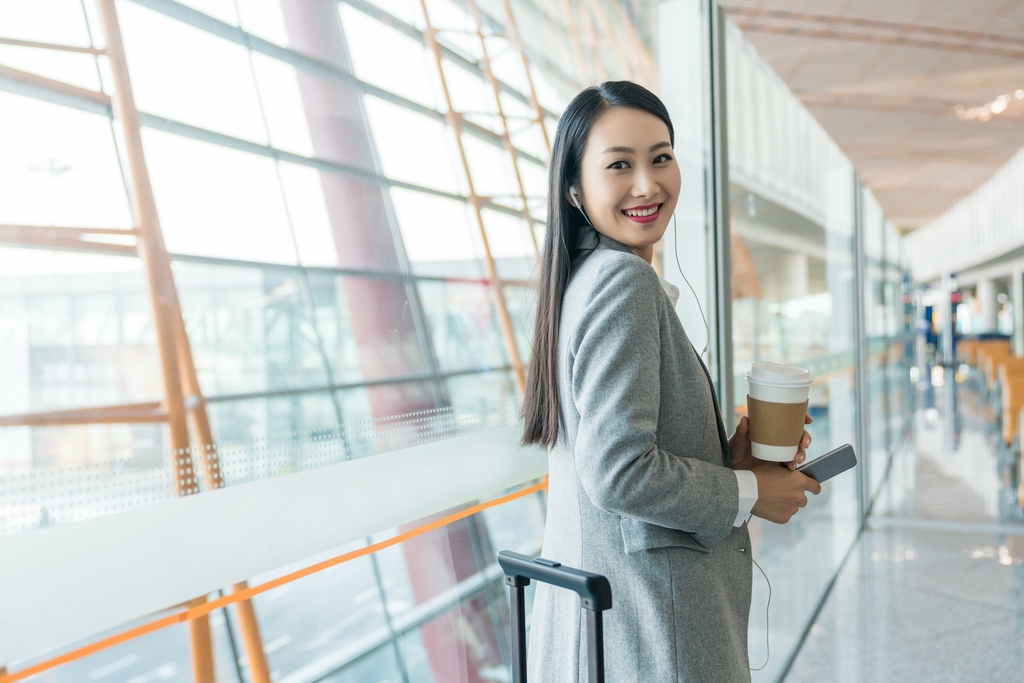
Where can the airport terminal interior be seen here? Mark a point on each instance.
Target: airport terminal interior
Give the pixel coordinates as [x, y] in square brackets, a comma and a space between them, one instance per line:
[268, 283]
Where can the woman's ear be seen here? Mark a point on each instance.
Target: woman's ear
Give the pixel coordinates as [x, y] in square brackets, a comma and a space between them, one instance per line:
[573, 195]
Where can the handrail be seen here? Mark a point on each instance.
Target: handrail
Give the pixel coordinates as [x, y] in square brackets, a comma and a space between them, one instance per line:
[248, 593]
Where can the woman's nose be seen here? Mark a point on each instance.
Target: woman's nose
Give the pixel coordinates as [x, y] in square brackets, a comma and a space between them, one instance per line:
[645, 185]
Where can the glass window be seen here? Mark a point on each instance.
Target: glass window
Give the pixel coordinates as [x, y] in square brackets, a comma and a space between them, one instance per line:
[441, 236]
[217, 201]
[463, 325]
[69, 67]
[492, 171]
[522, 308]
[60, 169]
[405, 67]
[282, 104]
[415, 149]
[512, 246]
[47, 21]
[308, 216]
[793, 279]
[456, 28]
[208, 83]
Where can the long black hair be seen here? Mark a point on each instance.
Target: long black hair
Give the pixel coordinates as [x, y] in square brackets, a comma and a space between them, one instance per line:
[565, 246]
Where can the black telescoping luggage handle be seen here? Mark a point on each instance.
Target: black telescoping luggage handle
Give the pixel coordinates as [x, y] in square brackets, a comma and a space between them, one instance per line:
[595, 594]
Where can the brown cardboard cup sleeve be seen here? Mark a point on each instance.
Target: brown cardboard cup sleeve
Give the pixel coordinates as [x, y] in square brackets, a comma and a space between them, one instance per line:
[776, 424]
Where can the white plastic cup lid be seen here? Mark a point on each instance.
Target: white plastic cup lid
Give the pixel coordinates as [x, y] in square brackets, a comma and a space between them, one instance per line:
[778, 375]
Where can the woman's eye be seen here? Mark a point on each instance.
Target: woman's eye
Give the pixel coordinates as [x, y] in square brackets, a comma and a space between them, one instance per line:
[662, 158]
[619, 165]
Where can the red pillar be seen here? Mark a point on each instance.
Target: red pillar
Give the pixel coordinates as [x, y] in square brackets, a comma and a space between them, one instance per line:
[462, 641]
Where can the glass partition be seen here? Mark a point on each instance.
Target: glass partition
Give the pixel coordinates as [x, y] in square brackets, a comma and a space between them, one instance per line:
[793, 278]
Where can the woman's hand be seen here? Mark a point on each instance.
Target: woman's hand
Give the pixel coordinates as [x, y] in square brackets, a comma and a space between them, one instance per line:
[743, 458]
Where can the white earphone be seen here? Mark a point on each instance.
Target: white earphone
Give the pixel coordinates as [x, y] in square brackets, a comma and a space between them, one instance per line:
[575, 199]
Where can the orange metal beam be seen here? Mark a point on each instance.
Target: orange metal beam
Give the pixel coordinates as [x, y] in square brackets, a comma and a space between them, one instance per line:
[259, 672]
[506, 137]
[517, 41]
[202, 646]
[27, 78]
[85, 416]
[161, 288]
[51, 46]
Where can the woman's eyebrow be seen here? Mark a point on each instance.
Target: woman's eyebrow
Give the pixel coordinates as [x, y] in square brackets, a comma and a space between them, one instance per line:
[630, 150]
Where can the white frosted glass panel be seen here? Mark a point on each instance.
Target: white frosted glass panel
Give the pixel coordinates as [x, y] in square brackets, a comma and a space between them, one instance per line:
[472, 96]
[60, 169]
[182, 73]
[415, 149]
[219, 9]
[535, 181]
[217, 201]
[263, 18]
[507, 64]
[282, 105]
[408, 11]
[441, 236]
[389, 59]
[511, 245]
[456, 28]
[49, 21]
[308, 212]
[69, 67]
[492, 171]
[547, 93]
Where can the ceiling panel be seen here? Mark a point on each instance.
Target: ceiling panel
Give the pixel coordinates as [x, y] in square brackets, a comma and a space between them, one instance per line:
[884, 79]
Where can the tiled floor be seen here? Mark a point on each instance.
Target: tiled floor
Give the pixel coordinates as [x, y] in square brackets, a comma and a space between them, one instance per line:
[934, 591]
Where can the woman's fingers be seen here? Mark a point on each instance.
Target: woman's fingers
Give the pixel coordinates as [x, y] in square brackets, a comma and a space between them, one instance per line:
[808, 419]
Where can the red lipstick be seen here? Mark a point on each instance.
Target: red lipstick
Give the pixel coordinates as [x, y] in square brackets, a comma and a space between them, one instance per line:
[643, 219]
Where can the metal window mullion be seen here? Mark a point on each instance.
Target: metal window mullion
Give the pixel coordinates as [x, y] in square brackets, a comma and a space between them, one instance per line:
[861, 352]
[718, 193]
[454, 120]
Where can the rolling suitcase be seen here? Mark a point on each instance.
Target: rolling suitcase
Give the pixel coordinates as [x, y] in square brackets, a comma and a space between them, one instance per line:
[595, 593]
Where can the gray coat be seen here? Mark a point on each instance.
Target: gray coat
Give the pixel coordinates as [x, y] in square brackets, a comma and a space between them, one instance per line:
[640, 490]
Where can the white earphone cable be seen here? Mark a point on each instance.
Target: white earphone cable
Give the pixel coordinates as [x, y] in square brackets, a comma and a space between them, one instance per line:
[767, 647]
[675, 245]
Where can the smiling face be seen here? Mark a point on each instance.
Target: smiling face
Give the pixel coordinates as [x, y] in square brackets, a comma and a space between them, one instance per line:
[630, 178]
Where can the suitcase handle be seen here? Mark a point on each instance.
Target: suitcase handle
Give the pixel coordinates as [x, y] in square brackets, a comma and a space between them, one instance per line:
[595, 595]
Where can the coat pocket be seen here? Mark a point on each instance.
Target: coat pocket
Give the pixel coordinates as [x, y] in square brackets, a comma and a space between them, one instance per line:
[638, 535]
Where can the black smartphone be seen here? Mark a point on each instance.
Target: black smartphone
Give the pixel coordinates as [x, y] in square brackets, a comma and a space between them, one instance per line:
[829, 465]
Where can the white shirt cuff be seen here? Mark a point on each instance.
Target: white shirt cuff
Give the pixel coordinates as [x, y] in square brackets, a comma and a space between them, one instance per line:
[748, 494]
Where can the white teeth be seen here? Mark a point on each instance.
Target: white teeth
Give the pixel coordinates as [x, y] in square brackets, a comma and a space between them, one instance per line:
[645, 212]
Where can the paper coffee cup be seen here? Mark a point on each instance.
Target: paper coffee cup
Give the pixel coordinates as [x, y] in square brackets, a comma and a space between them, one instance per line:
[776, 406]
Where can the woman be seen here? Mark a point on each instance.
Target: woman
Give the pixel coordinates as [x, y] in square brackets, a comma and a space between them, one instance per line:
[644, 485]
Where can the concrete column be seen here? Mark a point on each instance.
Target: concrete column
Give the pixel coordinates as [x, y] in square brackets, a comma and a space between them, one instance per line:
[987, 317]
